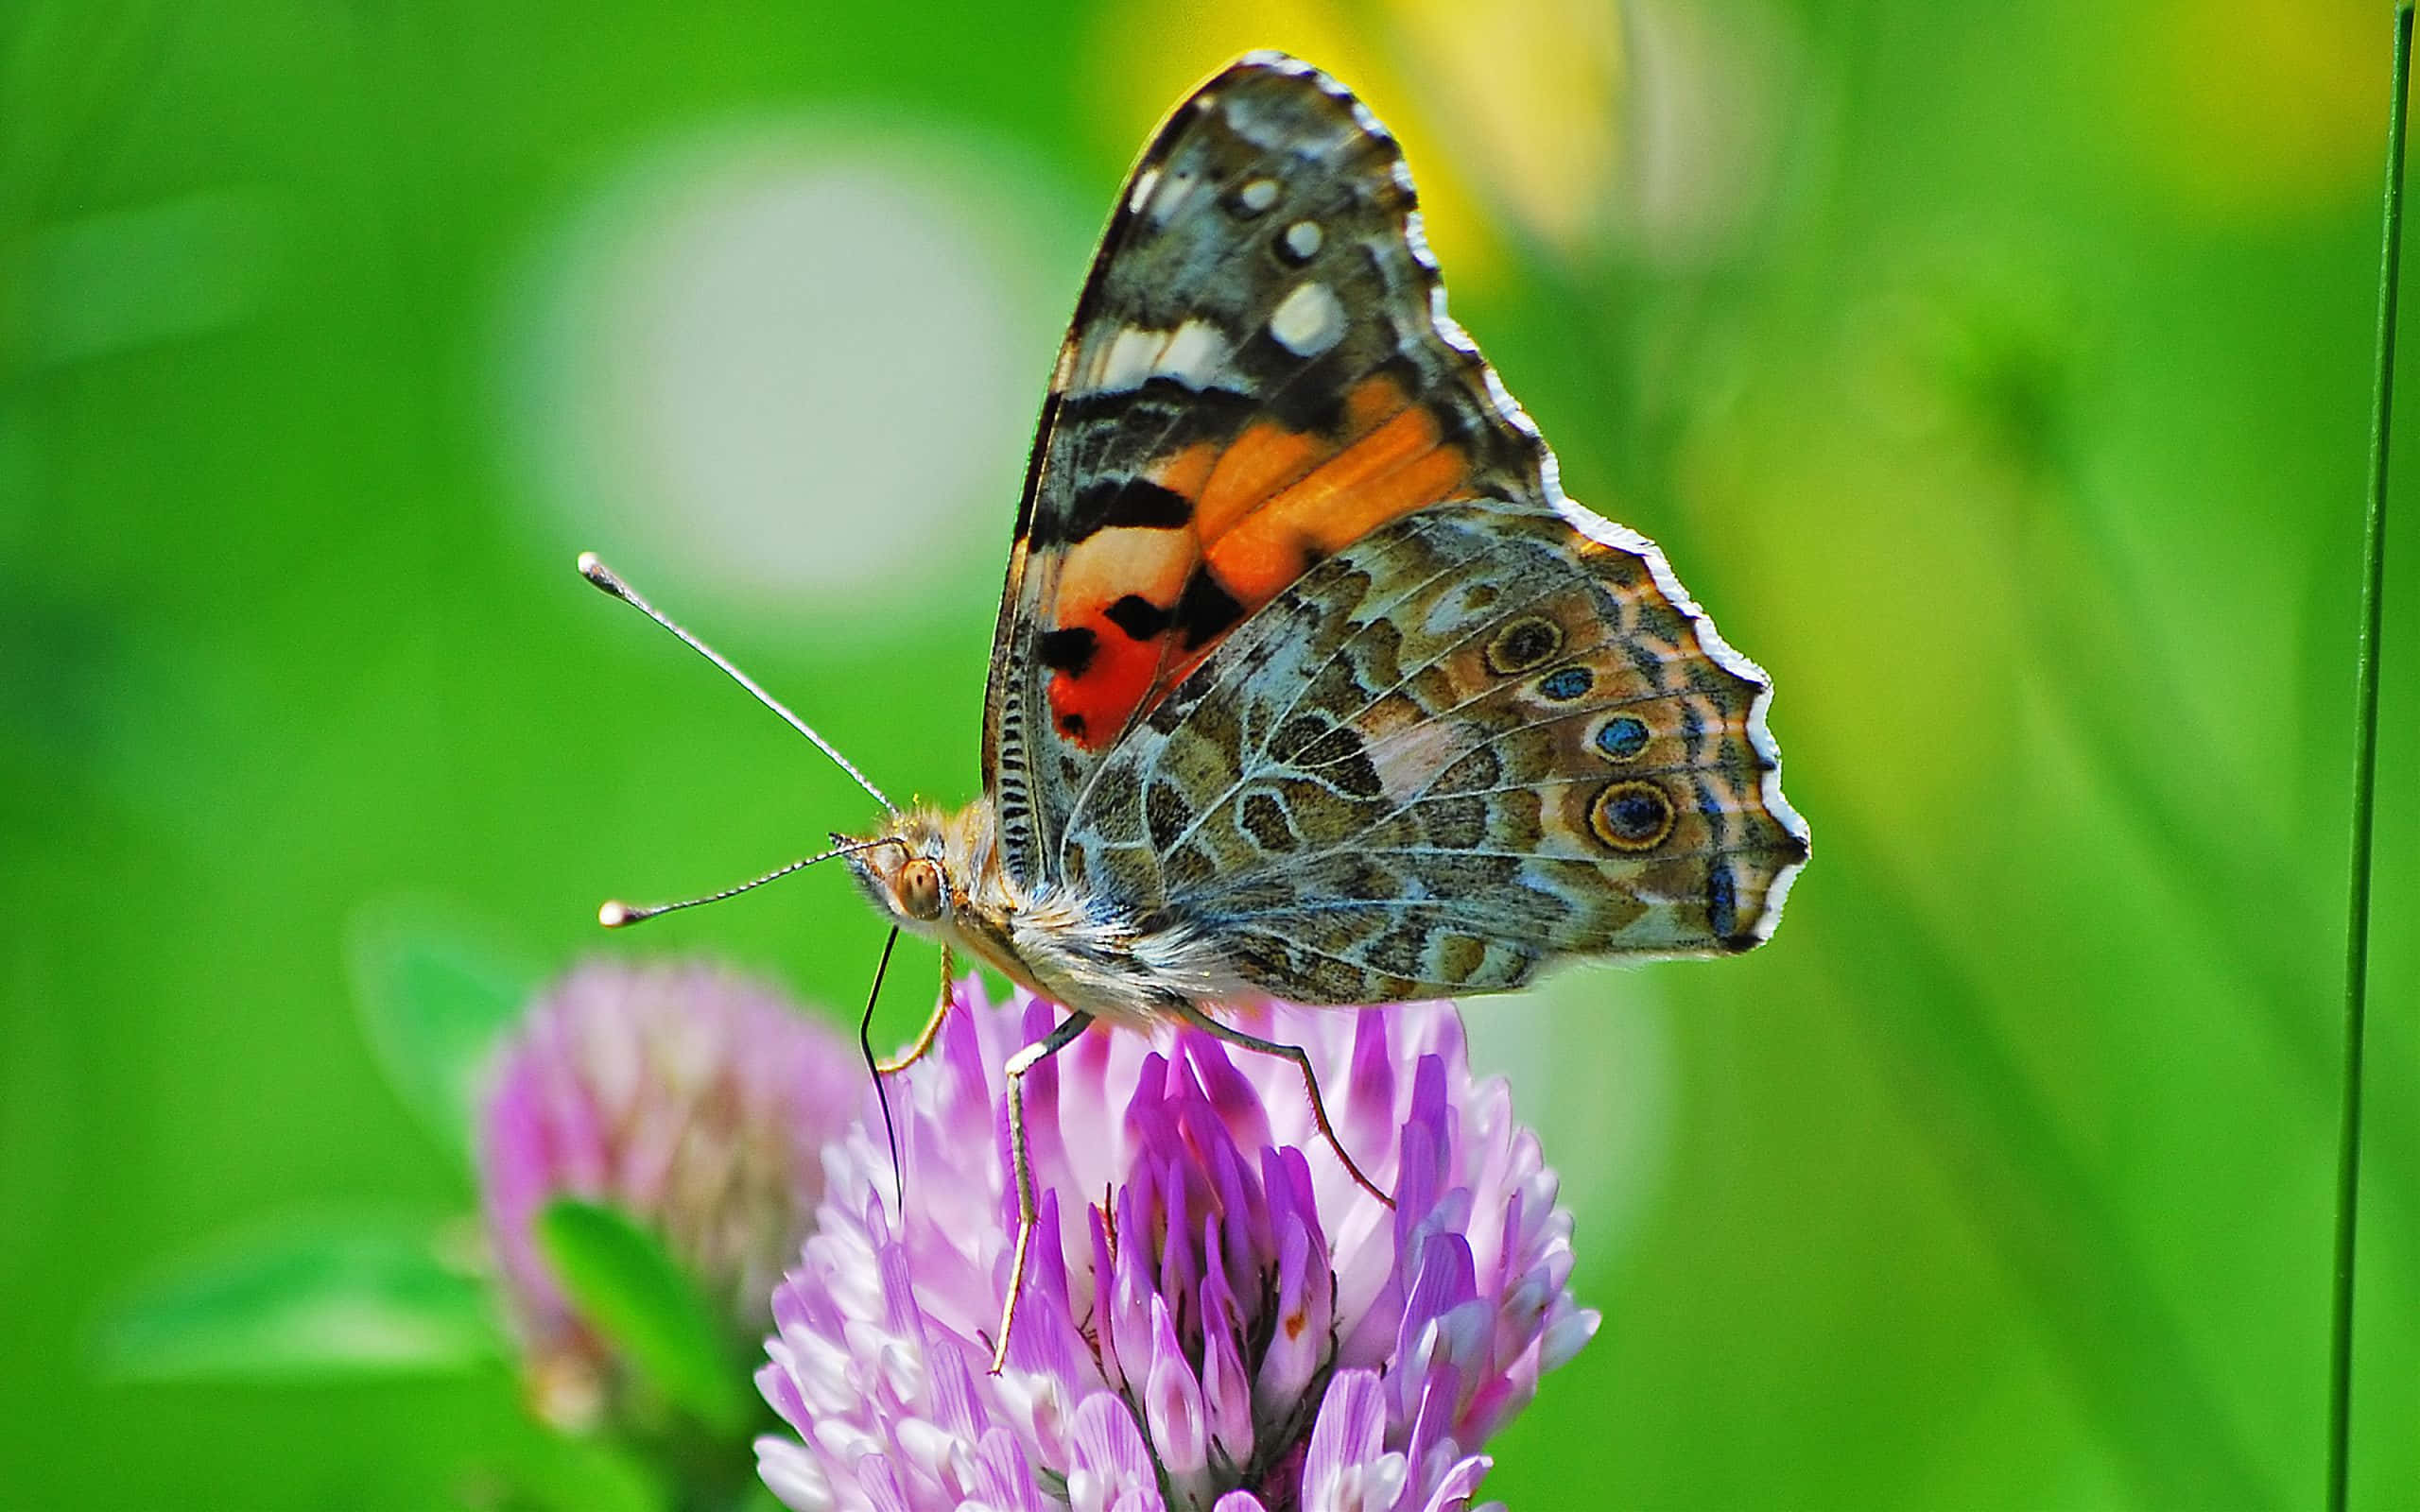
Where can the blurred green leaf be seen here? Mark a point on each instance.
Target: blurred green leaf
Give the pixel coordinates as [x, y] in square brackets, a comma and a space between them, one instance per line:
[307, 1297]
[155, 273]
[587, 1473]
[630, 1289]
[434, 1001]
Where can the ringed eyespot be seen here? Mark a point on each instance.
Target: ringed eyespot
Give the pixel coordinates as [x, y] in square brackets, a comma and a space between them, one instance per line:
[1631, 816]
[919, 888]
[1622, 737]
[1523, 644]
[1564, 684]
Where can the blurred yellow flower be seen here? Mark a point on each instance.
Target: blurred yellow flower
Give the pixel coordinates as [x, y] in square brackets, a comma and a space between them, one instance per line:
[1532, 94]
[1578, 126]
[2249, 109]
[1524, 138]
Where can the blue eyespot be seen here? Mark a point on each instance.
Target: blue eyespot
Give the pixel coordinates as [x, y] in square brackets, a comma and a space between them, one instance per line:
[1622, 737]
[1565, 683]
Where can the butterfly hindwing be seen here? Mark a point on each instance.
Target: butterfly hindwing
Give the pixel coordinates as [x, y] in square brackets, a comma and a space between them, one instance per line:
[1477, 739]
[1253, 380]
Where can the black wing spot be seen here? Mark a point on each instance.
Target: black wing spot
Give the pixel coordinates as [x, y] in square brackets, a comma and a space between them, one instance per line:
[1307, 397]
[1069, 650]
[1139, 617]
[1204, 610]
[1125, 503]
[1183, 413]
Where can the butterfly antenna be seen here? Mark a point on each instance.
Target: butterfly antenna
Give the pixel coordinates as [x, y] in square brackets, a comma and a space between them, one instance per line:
[615, 914]
[606, 578]
[873, 1066]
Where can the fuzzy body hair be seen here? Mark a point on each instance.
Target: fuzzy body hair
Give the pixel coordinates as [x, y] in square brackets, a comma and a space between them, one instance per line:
[1084, 952]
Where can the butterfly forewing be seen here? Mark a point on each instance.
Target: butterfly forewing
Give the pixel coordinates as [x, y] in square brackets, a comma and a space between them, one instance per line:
[1302, 651]
[1253, 380]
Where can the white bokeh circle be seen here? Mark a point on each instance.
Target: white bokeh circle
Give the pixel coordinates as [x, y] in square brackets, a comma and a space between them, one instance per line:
[791, 364]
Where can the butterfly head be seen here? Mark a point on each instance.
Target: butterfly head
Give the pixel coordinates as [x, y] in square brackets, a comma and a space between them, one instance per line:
[915, 868]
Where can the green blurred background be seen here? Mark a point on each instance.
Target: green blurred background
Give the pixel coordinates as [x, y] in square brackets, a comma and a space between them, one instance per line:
[1996, 373]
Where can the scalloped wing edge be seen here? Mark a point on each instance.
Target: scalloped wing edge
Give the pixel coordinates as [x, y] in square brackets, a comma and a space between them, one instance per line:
[1579, 516]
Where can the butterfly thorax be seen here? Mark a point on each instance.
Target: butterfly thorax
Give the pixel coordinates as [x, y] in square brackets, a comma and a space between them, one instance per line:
[943, 878]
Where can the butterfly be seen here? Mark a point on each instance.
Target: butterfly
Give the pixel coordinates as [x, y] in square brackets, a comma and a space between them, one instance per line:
[1308, 683]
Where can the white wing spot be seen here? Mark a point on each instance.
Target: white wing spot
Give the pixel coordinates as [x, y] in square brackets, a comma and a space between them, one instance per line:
[1145, 182]
[1258, 195]
[1126, 360]
[1309, 321]
[1191, 354]
[1194, 354]
[1170, 195]
[1303, 239]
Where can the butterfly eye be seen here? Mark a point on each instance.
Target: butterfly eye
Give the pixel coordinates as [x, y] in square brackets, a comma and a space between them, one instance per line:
[919, 889]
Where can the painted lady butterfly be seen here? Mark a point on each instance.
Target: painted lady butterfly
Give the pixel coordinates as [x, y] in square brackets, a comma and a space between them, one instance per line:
[1308, 683]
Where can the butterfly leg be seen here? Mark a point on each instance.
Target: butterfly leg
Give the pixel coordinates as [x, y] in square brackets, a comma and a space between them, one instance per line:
[1028, 1207]
[1235, 1037]
[932, 1029]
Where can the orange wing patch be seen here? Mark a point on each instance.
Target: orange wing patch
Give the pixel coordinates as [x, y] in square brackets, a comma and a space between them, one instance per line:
[1138, 607]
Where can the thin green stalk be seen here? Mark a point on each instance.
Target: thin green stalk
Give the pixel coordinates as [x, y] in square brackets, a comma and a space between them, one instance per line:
[2365, 766]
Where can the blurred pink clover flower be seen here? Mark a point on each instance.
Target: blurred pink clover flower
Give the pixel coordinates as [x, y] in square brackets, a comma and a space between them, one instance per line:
[1217, 1318]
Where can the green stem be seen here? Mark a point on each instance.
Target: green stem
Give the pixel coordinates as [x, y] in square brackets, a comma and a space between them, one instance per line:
[2365, 763]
